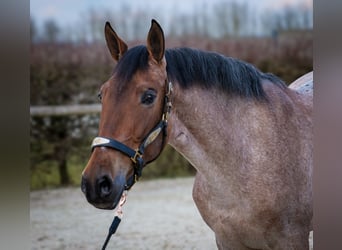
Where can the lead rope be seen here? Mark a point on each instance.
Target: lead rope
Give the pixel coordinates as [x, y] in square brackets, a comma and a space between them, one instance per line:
[101, 141]
[116, 221]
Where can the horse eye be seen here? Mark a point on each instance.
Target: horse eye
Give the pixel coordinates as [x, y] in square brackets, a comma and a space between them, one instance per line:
[148, 97]
[99, 96]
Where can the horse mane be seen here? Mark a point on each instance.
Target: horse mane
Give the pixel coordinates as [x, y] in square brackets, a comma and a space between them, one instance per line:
[192, 67]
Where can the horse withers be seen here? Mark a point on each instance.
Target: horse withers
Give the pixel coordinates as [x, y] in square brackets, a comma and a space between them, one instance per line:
[248, 135]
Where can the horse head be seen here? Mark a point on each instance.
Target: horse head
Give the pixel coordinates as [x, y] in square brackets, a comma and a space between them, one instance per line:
[133, 121]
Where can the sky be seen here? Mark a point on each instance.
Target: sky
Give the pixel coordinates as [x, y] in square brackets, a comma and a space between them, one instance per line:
[69, 12]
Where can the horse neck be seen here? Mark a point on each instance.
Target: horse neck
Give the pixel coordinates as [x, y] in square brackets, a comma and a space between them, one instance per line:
[211, 129]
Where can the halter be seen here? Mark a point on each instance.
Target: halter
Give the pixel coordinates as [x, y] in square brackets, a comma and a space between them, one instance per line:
[136, 156]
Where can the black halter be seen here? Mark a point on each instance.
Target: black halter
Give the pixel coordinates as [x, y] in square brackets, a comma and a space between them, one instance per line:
[136, 156]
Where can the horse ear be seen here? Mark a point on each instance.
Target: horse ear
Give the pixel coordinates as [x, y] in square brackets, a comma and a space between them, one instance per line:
[116, 46]
[156, 41]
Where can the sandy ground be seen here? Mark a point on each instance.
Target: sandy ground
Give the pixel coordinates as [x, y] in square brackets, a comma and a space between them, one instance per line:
[157, 215]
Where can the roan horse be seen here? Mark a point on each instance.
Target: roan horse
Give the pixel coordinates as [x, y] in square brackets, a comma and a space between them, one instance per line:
[248, 135]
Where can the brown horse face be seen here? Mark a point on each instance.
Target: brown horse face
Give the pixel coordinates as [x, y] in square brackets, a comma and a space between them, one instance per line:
[131, 107]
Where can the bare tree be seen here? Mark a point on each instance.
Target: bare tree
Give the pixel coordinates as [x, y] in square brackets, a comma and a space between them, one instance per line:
[201, 21]
[236, 11]
[33, 31]
[306, 17]
[289, 18]
[121, 20]
[233, 18]
[221, 12]
[96, 22]
[138, 26]
[51, 31]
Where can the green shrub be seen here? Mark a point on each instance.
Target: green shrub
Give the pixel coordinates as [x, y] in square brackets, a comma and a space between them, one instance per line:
[69, 74]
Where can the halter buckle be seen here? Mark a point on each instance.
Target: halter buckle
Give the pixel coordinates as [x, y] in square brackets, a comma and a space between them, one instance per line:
[135, 157]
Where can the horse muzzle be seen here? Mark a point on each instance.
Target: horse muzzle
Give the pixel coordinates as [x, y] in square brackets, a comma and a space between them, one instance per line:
[104, 192]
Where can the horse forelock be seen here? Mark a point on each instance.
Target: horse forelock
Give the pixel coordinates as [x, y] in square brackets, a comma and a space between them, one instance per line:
[133, 60]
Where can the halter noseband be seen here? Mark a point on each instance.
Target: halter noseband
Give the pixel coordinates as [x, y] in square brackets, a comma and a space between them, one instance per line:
[136, 156]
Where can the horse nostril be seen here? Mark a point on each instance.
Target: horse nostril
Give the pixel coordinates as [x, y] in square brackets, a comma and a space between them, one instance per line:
[84, 185]
[104, 186]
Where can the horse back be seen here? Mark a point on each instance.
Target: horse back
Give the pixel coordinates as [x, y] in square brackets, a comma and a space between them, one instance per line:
[304, 84]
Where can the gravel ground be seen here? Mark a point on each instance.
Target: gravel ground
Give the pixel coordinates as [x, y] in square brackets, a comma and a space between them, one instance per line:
[158, 214]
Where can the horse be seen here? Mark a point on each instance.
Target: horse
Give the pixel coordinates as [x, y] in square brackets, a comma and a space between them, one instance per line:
[248, 135]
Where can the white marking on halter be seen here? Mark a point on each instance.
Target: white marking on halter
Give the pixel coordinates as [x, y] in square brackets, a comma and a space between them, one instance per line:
[170, 89]
[99, 141]
[152, 137]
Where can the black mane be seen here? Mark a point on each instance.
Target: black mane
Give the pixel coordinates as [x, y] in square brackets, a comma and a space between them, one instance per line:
[190, 67]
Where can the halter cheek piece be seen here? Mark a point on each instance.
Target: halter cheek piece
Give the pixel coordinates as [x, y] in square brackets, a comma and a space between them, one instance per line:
[136, 156]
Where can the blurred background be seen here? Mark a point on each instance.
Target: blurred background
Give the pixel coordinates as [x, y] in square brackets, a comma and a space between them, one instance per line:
[69, 62]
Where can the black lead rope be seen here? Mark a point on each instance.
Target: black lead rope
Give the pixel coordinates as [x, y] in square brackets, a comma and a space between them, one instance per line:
[117, 219]
[112, 230]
